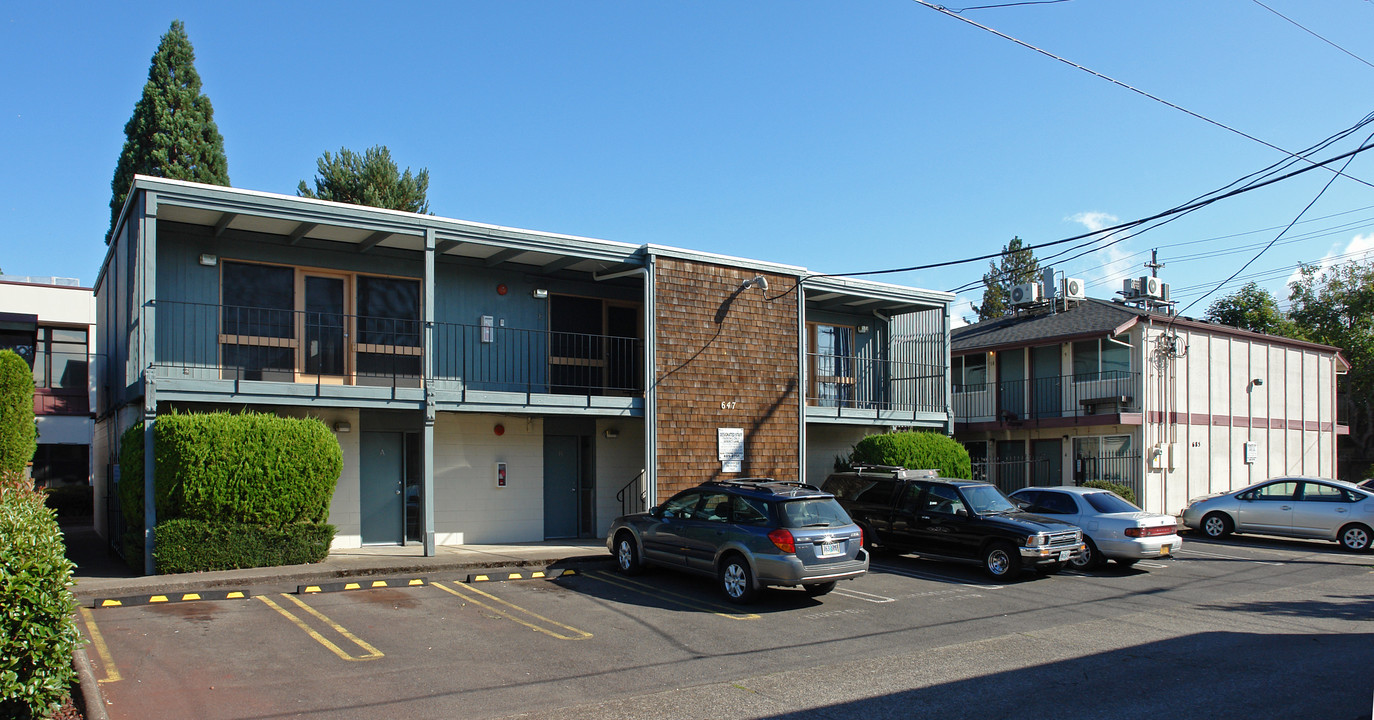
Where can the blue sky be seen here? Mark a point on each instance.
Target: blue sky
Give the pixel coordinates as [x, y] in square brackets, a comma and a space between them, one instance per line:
[842, 137]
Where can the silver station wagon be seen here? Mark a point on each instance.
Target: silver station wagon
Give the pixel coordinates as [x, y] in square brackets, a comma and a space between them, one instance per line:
[1290, 506]
[747, 534]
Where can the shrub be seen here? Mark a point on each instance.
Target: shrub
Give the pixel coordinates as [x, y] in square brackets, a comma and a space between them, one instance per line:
[18, 433]
[38, 632]
[250, 469]
[188, 545]
[915, 450]
[1124, 491]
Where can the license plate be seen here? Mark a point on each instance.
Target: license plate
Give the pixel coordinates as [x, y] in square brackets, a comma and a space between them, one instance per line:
[1163, 550]
[830, 549]
[1064, 555]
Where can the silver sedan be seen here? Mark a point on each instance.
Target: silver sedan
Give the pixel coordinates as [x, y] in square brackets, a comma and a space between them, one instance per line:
[1299, 507]
[1112, 528]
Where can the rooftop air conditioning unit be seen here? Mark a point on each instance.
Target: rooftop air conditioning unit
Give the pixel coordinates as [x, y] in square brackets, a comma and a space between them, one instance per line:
[1130, 287]
[1151, 287]
[1025, 294]
[1073, 288]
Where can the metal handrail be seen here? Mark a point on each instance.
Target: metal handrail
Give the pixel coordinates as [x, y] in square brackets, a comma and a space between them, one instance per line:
[624, 499]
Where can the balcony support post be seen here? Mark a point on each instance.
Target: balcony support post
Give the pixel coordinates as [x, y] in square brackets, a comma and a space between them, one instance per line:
[426, 380]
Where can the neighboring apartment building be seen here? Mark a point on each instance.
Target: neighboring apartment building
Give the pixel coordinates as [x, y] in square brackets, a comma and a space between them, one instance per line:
[1073, 390]
[50, 322]
[489, 384]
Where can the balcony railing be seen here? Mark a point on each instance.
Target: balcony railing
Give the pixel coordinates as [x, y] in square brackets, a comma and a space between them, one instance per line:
[843, 381]
[207, 341]
[1049, 397]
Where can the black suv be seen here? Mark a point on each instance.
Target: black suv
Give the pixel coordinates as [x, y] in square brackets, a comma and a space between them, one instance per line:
[747, 534]
[961, 520]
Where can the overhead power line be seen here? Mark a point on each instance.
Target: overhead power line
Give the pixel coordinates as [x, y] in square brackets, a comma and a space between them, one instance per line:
[945, 11]
[1311, 32]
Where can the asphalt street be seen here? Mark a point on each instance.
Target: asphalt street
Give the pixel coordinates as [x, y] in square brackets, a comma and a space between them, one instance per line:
[1244, 628]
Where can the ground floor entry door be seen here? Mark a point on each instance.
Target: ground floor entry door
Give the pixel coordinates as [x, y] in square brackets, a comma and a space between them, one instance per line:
[1049, 462]
[562, 472]
[381, 470]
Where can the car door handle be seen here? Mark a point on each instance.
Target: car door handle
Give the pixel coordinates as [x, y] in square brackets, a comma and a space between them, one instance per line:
[1286, 507]
[1340, 509]
[925, 517]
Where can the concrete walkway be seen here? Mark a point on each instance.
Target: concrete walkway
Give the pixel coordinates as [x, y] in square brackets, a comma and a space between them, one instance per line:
[100, 573]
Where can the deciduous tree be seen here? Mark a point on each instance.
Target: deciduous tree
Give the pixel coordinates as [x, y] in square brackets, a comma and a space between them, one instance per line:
[1252, 308]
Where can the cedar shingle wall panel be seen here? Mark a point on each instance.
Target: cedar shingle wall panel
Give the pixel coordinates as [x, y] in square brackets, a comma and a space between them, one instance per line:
[716, 345]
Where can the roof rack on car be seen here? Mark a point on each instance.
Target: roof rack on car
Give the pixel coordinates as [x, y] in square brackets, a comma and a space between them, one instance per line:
[765, 482]
[896, 471]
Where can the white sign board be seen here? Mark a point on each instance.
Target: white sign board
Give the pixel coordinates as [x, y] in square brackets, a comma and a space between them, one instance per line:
[730, 449]
[1251, 452]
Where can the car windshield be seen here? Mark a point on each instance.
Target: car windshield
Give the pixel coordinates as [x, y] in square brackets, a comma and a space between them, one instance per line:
[1109, 502]
[987, 500]
[813, 512]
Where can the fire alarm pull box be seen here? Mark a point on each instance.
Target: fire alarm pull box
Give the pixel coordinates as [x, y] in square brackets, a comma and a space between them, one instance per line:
[500, 474]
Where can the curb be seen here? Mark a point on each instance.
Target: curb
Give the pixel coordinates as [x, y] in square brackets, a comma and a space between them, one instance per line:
[92, 700]
[170, 585]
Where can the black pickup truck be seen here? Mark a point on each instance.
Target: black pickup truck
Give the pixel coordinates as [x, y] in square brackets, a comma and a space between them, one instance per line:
[961, 520]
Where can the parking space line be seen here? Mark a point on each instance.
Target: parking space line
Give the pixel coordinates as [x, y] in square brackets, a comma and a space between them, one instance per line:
[101, 649]
[866, 597]
[893, 569]
[372, 652]
[1191, 551]
[1142, 563]
[468, 593]
[661, 594]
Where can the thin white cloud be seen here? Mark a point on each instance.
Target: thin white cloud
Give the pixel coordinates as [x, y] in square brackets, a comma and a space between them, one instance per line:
[1094, 221]
[1359, 248]
[1105, 267]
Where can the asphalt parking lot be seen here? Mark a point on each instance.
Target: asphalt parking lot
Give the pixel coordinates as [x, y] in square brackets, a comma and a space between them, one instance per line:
[1246, 627]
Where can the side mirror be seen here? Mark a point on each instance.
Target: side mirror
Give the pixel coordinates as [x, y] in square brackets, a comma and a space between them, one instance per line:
[961, 512]
[656, 511]
[1020, 504]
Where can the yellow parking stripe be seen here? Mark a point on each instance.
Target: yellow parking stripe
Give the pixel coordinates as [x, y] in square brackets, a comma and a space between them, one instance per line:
[468, 592]
[684, 600]
[98, 640]
[372, 652]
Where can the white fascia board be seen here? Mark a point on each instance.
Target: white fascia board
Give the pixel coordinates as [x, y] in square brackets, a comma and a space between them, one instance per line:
[871, 288]
[726, 260]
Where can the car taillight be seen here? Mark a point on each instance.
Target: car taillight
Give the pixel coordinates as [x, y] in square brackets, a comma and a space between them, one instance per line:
[783, 539]
[861, 537]
[1150, 531]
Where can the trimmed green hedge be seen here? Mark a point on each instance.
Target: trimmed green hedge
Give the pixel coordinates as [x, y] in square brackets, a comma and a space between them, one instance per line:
[249, 469]
[38, 632]
[915, 450]
[18, 433]
[1124, 491]
[187, 545]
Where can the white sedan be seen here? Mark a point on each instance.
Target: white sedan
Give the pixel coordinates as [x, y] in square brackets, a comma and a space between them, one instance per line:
[1112, 528]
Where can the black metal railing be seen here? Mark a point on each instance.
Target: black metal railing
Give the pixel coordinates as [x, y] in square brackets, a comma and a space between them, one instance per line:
[1047, 397]
[632, 497]
[1011, 473]
[261, 344]
[845, 381]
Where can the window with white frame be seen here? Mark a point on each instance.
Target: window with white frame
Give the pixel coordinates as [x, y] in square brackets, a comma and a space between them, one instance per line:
[969, 373]
[1100, 359]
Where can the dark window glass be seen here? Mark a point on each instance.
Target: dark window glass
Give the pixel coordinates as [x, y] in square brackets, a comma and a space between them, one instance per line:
[258, 300]
[716, 508]
[1317, 492]
[942, 499]
[813, 512]
[388, 311]
[66, 359]
[750, 511]
[54, 464]
[1055, 503]
[1085, 359]
[681, 506]
[1108, 502]
[259, 362]
[879, 493]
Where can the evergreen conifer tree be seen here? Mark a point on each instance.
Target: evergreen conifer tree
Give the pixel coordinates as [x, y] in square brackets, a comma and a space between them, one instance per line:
[172, 132]
[1017, 266]
[371, 178]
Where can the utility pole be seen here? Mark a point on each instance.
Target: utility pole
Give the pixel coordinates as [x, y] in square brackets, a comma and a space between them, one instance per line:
[1154, 263]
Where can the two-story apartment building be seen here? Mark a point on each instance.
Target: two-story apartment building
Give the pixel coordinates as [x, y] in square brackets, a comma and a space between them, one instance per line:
[1083, 389]
[49, 322]
[490, 384]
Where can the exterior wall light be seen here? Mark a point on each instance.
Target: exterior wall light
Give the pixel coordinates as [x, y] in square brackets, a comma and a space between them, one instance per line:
[539, 294]
[208, 260]
[612, 433]
[343, 426]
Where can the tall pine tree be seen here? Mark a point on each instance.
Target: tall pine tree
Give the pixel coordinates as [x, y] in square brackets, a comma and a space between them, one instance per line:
[172, 132]
[1016, 266]
[368, 179]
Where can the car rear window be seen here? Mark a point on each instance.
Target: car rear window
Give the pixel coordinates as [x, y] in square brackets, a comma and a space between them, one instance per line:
[1109, 502]
[860, 489]
[813, 512]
